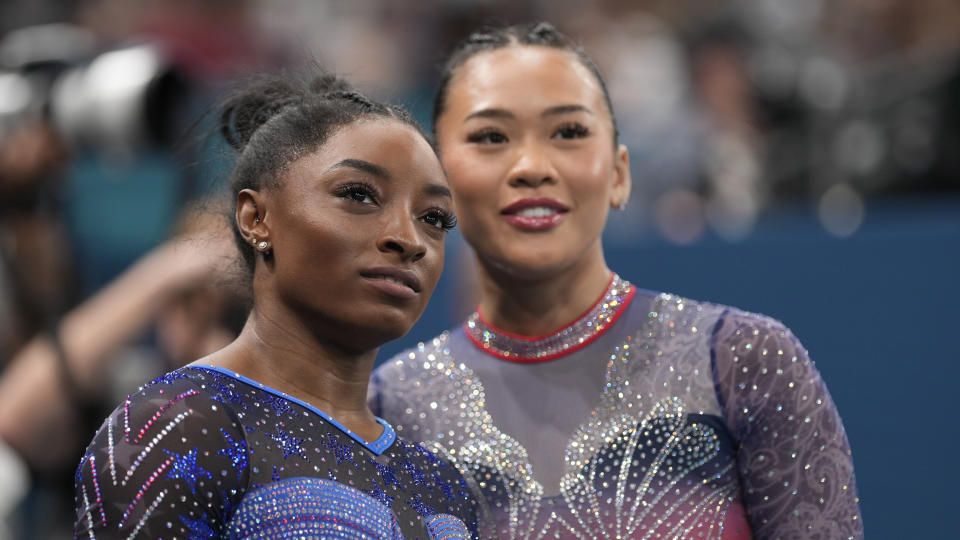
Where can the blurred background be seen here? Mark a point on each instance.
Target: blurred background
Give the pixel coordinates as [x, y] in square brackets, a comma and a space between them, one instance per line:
[800, 159]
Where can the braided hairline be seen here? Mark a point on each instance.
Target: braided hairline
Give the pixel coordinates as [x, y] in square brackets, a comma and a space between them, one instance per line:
[356, 98]
[295, 104]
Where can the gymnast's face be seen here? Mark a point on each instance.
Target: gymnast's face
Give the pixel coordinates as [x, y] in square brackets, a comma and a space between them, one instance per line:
[527, 142]
[357, 233]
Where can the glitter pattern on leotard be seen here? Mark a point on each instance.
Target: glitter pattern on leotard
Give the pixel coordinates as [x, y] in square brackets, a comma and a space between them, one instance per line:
[583, 331]
[706, 422]
[205, 453]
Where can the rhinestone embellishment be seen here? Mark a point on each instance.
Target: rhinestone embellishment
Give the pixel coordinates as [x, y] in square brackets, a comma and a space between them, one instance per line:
[581, 332]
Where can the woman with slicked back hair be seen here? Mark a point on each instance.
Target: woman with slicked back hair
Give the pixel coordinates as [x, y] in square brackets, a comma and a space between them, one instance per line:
[576, 404]
[342, 209]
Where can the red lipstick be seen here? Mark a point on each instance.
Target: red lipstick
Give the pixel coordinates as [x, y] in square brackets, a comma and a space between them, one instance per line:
[535, 213]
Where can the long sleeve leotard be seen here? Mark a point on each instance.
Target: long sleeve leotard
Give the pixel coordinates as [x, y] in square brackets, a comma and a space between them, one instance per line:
[651, 416]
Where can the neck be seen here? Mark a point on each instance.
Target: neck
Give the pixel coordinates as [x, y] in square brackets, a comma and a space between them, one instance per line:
[539, 306]
[281, 352]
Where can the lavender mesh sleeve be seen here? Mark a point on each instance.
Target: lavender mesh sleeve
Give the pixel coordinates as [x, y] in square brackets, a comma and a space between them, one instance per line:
[794, 459]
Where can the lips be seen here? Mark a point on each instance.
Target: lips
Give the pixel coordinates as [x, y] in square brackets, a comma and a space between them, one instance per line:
[535, 214]
[394, 281]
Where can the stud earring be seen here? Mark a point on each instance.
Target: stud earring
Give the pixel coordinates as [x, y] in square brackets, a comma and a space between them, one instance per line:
[263, 245]
[256, 219]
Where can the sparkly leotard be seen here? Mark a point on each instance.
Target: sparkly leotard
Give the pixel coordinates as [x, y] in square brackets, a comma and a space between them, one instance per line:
[651, 416]
[206, 453]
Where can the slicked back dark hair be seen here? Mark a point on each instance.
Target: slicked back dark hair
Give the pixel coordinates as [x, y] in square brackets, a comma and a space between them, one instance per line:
[276, 119]
[541, 34]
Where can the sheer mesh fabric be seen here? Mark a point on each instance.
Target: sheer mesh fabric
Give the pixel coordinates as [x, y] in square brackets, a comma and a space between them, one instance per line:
[682, 420]
[203, 453]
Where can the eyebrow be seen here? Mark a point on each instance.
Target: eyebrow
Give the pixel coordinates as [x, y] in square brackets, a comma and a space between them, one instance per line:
[436, 190]
[490, 113]
[551, 111]
[564, 109]
[361, 165]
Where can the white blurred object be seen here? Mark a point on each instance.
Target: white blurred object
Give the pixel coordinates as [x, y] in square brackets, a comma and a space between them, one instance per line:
[824, 84]
[841, 210]
[679, 215]
[859, 146]
[647, 80]
[58, 42]
[734, 176]
[649, 84]
[14, 482]
[14, 94]
[108, 98]
[782, 20]
[118, 100]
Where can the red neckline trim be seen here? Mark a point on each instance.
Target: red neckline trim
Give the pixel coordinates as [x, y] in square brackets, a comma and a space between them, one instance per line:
[558, 330]
[521, 360]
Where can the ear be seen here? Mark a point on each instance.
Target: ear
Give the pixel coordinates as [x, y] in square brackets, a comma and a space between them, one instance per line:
[251, 217]
[620, 190]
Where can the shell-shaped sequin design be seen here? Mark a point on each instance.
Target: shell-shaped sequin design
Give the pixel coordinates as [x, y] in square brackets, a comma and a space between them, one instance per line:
[615, 455]
[639, 466]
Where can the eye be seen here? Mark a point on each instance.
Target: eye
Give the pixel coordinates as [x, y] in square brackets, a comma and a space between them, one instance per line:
[487, 136]
[358, 192]
[440, 218]
[572, 130]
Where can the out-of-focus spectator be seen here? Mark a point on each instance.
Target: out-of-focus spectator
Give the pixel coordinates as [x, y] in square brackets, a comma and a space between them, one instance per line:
[56, 386]
[58, 372]
[96, 165]
[35, 262]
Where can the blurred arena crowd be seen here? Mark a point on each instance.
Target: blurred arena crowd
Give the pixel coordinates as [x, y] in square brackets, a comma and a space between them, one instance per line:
[113, 265]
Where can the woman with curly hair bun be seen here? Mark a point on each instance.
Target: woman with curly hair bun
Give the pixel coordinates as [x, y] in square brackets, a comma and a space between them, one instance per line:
[342, 210]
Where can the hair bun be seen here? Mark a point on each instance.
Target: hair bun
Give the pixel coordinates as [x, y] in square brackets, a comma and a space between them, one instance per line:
[254, 105]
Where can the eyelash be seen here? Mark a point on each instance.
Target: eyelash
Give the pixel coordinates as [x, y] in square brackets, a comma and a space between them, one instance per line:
[579, 131]
[572, 130]
[446, 220]
[484, 135]
[349, 191]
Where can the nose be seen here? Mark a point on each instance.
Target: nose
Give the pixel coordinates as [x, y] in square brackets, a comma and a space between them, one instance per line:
[400, 236]
[532, 167]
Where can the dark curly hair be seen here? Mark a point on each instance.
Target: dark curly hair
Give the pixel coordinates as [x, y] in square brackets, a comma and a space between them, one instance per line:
[542, 34]
[274, 120]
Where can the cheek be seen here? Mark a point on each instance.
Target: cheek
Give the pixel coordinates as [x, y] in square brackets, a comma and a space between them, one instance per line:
[316, 242]
[473, 178]
[589, 175]
[434, 263]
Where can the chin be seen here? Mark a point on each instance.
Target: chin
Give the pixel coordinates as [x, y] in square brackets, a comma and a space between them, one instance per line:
[365, 330]
[383, 327]
[528, 266]
[361, 339]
